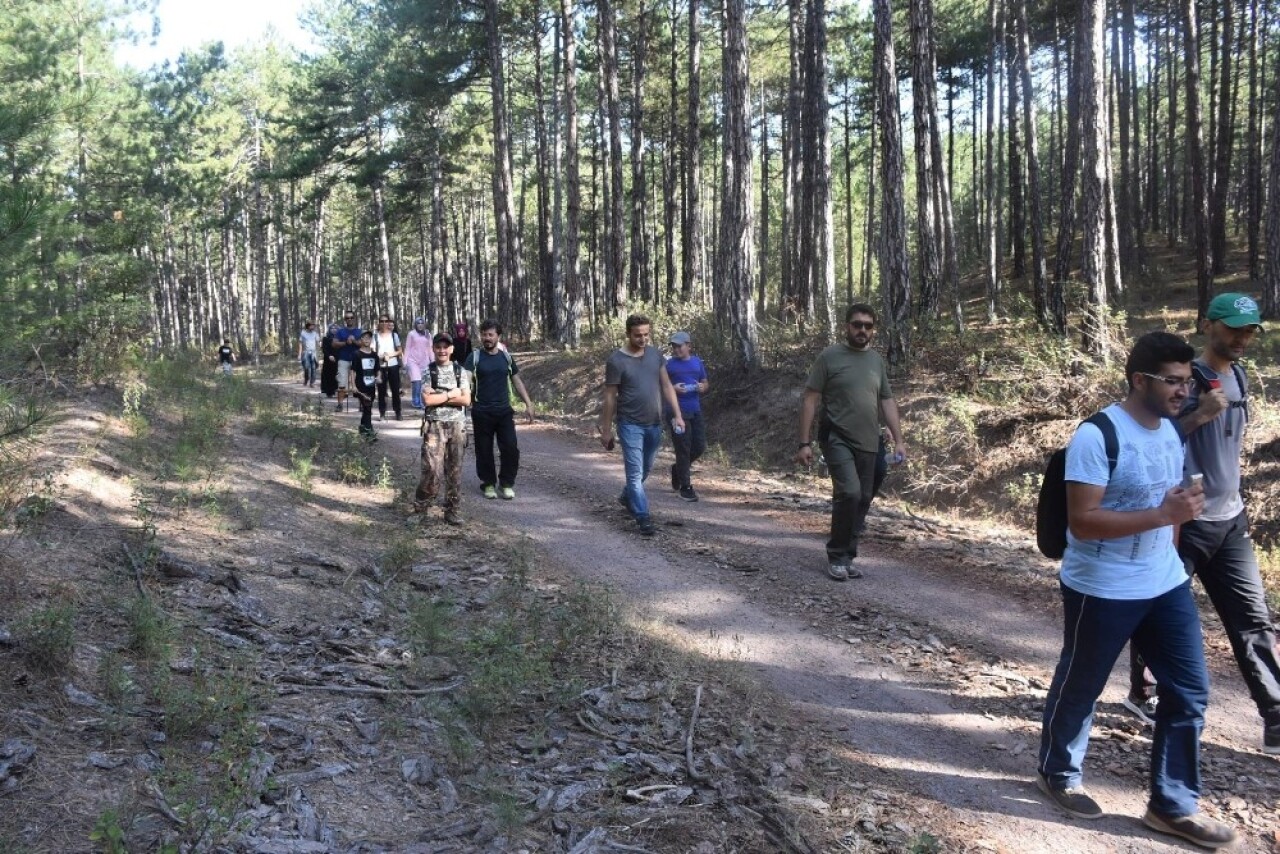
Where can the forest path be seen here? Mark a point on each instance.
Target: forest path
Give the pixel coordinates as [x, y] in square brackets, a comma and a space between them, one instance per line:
[926, 676]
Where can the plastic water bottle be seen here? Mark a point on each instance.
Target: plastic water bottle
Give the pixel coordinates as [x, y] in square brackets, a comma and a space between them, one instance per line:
[676, 427]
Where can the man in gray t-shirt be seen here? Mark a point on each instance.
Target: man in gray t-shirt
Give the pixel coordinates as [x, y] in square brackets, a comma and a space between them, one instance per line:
[635, 386]
[1216, 546]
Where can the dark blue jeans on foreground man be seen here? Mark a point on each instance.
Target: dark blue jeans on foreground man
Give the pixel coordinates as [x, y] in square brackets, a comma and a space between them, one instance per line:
[1166, 630]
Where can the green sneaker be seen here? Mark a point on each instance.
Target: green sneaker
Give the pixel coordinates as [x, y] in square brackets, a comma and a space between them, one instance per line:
[507, 493]
[490, 492]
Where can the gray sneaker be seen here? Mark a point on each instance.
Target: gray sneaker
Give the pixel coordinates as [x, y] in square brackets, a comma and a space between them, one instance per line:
[1198, 828]
[1075, 800]
[838, 571]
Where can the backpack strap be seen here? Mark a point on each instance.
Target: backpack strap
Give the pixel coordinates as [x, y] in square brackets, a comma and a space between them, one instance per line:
[1110, 441]
[1238, 369]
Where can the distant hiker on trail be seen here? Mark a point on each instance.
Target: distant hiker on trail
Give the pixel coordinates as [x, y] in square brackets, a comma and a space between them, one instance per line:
[364, 382]
[226, 357]
[689, 378]
[329, 362]
[443, 432]
[417, 355]
[308, 344]
[635, 387]
[848, 389]
[461, 343]
[1215, 546]
[1123, 582]
[387, 345]
[348, 340]
[495, 372]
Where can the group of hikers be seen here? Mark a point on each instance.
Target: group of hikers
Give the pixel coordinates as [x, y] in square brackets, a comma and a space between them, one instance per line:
[1152, 499]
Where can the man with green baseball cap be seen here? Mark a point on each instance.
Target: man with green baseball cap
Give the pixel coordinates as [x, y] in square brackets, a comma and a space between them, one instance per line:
[1215, 546]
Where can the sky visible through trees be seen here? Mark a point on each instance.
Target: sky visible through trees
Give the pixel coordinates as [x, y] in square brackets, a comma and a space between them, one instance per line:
[558, 163]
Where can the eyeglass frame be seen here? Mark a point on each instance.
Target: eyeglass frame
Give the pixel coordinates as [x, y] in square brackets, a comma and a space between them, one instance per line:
[865, 325]
[1172, 382]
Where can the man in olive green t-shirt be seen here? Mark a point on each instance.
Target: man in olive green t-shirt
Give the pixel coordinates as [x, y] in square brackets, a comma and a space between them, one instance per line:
[849, 382]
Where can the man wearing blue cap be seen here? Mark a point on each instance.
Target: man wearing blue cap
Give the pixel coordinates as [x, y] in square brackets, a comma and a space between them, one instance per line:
[1216, 545]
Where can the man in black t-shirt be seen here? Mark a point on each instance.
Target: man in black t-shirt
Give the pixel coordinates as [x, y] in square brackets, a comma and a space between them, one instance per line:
[226, 356]
[363, 382]
[495, 373]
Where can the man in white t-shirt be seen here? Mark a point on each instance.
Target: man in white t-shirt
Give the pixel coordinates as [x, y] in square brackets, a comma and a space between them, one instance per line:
[1122, 581]
[308, 343]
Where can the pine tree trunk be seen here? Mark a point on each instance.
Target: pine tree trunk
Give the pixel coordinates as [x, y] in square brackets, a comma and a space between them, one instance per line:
[1090, 82]
[570, 324]
[1017, 197]
[1039, 274]
[895, 266]
[671, 160]
[992, 247]
[1222, 149]
[795, 267]
[1253, 172]
[1271, 280]
[763, 267]
[510, 266]
[1067, 205]
[926, 170]
[1120, 82]
[1172, 175]
[869, 239]
[639, 283]
[1195, 154]
[822, 256]
[615, 264]
[543, 168]
[735, 238]
[691, 242]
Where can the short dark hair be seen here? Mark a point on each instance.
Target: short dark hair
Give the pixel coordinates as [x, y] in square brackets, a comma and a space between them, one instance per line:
[859, 308]
[635, 320]
[442, 338]
[490, 323]
[1153, 350]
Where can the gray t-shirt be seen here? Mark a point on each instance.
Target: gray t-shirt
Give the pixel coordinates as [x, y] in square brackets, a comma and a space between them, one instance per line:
[639, 385]
[310, 340]
[443, 378]
[1214, 449]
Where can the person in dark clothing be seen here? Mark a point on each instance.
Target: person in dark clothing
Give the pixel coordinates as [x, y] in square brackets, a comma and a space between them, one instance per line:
[461, 343]
[491, 414]
[329, 363]
[363, 382]
[689, 378]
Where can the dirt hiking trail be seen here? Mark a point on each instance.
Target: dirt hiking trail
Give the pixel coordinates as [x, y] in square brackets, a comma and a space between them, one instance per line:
[929, 673]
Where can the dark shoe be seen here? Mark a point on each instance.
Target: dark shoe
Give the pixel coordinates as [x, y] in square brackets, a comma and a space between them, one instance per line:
[675, 480]
[397, 416]
[1075, 800]
[338, 408]
[452, 517]
[626, 505]
[1143, 709]
[1198, 828]
[647, 527]
[1271, 733]
[688, 494]
[838, 571]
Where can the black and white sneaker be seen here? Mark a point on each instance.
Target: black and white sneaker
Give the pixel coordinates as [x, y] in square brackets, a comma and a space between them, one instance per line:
[1143, 709]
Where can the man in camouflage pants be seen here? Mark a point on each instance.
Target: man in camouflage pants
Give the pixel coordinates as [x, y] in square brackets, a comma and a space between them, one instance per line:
[443, 431]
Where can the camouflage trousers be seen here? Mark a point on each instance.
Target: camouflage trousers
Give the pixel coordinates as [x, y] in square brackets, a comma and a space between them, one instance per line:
[442, 444]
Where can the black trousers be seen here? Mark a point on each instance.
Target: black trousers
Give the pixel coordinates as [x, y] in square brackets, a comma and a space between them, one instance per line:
[1221, 555]
[501, 425]
[390, 377]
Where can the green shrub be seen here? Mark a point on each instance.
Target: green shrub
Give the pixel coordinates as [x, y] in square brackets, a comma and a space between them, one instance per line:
[46, 638]
[150, 629]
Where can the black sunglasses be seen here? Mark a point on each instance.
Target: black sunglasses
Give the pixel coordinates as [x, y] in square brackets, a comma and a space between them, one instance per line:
[862, 324]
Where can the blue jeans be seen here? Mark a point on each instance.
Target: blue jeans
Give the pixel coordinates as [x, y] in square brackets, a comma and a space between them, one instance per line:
[1166, 631]
[640, 444]
[417, 394]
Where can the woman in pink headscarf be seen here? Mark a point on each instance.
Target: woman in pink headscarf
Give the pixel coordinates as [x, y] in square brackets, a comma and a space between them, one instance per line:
[417, 356]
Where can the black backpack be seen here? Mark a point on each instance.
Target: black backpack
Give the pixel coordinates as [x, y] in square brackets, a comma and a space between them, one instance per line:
[1051, 509]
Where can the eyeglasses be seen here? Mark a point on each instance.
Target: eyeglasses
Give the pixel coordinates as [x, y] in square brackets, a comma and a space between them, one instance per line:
[1185, 382]
[384, 320]
[349, 317]
[863, 324]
